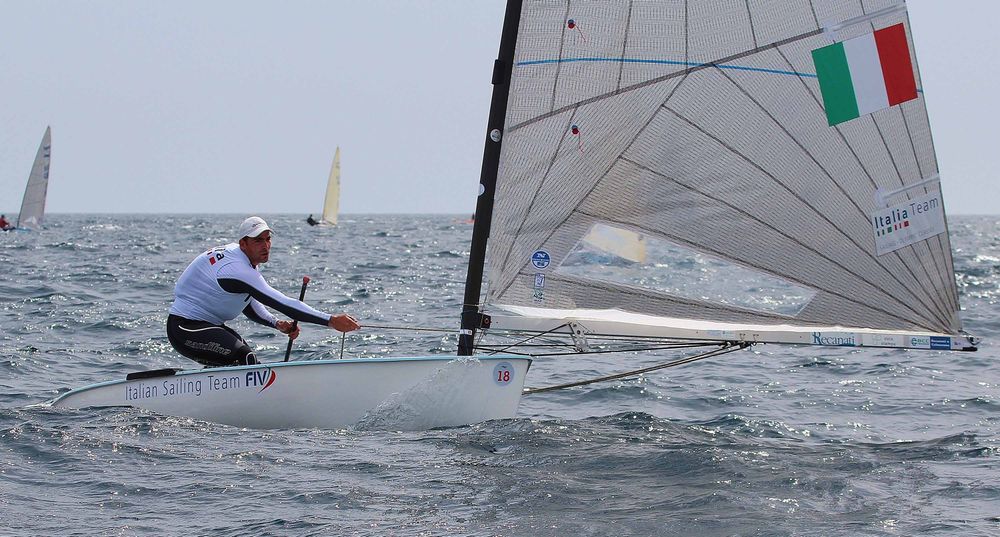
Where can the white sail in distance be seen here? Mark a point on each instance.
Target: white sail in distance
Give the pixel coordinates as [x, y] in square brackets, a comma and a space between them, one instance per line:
[701, 125]
[32, 210]
[331, 204]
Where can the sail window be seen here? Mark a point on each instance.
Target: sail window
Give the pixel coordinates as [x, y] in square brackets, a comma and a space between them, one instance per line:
[622, 256]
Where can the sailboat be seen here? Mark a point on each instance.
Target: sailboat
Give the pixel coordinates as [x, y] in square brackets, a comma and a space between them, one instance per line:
[696, 177]
[331, 203]
[33, 203]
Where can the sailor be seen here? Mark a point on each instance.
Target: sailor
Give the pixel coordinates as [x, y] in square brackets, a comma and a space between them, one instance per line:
[311, 221]
[4, 224]
[221, 283]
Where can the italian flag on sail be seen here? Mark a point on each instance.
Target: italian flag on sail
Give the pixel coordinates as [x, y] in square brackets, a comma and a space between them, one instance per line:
[865, 74]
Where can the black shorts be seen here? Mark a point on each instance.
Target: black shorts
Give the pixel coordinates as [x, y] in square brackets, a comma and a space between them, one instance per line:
[213, 345]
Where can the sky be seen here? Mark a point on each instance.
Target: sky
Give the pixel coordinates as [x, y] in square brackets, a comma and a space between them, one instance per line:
[237, 107]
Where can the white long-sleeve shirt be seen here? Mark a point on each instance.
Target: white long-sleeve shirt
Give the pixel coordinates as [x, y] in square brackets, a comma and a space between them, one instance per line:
[221, 283]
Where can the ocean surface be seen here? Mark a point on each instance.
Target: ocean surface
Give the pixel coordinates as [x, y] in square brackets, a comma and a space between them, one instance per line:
[769, 441]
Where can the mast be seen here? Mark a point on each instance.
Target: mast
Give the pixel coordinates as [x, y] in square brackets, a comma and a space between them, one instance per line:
[502, 68]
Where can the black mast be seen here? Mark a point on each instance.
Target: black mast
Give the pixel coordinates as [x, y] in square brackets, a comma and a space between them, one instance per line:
[502, 68]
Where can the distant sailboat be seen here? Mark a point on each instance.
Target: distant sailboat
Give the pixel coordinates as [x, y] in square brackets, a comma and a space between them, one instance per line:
[33, 204]
[331, 205]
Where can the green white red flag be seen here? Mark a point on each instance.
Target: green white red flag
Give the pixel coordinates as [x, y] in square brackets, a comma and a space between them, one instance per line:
[865, 74]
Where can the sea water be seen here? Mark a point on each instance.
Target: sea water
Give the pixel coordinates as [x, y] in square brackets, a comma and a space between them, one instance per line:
[768, 441]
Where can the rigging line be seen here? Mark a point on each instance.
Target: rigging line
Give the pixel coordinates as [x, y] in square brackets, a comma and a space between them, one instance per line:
[829, 176]
[733, 151]
[657, 80]
[495, 348]
[618, 351]
[491, 352]
[666, 344]
[410, 328]
[532, 337]
[726, 348]
[661, 340]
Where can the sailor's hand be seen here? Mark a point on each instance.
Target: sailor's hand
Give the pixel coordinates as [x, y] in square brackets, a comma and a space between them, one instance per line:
[288, 327]
[343, 322]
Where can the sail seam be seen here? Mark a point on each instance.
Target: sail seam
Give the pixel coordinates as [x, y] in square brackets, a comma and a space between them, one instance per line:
[601, 177]
[753, 33]
[833, 181]
[764, 269]
[953, 288]
[797, 196]
[913, 247]
[628, 27]
[534, 196]
[562, 50]
[683, 72]
[950, 299]
[840, 134]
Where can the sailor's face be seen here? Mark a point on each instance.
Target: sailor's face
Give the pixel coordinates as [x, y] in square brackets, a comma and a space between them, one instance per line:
[258, 248]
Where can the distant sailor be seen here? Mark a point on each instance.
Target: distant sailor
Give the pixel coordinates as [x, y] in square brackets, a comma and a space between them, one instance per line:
[4, 224]
[311, 221]
[221, 283]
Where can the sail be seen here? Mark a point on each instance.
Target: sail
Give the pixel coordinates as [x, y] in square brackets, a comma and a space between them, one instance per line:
[702, 127]
[331, 204]
[33, 203]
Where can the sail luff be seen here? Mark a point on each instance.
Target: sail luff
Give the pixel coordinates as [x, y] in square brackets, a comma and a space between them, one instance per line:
[331, 203]
[32, 210]
[502, 69]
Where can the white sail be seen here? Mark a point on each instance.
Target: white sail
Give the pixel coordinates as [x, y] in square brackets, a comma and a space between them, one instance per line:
[701, 125]
[331, 204]
[33, 203]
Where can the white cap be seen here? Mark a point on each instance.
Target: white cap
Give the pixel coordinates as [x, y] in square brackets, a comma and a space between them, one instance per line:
[252, 227]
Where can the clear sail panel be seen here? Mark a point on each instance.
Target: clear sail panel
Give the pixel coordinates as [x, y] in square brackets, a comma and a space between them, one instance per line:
[619, 256]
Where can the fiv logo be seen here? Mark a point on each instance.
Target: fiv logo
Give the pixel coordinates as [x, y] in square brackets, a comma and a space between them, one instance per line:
[261, 377]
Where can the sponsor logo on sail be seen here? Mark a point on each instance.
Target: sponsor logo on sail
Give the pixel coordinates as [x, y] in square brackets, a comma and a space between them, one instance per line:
[895, 220]
[907, 223]
[539, 286]
[540, 259]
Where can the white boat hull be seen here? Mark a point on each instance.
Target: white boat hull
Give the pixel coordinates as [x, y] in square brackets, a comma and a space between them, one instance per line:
[397, 393]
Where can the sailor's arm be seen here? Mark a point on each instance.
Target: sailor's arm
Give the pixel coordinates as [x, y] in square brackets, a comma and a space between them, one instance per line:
[258, 289]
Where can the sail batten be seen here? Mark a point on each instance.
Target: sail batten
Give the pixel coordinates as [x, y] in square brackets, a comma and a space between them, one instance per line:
[702, 123]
